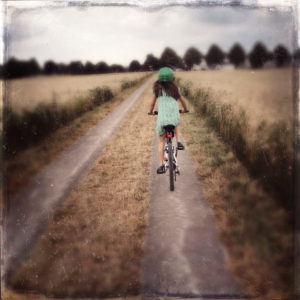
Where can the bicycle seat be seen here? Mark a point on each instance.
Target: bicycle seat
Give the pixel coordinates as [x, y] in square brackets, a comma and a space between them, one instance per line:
[169, 128]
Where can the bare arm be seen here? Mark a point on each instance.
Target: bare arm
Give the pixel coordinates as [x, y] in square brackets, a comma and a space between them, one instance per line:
[185, 109]
[152, 105]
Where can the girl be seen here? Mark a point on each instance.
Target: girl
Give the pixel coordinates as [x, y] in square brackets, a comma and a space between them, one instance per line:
[168, 112]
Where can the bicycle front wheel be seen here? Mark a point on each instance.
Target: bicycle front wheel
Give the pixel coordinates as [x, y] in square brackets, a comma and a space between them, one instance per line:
[171, 165]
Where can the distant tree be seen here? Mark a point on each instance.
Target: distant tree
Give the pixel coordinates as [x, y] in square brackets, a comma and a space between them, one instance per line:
[215, 56]
[192, 57]
[50, 67]
[33, 67]
[237, 55]
[89, 68]
[14, 68]
[11, 68]
[134, 66]
[76, 67]
[151, 63]
[296, 54]
[296, 57]
[259, 55]
[270, 56]
[62, 69]
[282, 56]
[115, 68]
[169, 58]
[102, 67]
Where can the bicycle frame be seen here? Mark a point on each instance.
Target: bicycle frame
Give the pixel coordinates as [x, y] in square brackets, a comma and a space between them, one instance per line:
[170, 156]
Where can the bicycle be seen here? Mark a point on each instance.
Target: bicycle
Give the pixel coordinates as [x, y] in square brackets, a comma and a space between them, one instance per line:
[170, 154]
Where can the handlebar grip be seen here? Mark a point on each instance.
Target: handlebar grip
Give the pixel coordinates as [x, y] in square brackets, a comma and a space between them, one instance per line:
[180, 111]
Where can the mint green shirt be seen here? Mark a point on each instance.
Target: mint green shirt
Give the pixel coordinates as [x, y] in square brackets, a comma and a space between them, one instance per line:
[168, 113]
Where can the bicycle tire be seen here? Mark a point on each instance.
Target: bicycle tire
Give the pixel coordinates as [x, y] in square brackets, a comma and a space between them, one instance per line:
[171, 169]
[175, 172]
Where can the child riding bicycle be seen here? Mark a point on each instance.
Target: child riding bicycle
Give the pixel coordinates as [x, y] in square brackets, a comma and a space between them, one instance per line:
[168, 112]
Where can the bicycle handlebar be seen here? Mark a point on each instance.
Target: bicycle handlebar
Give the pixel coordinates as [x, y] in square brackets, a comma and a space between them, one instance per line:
[180, 111]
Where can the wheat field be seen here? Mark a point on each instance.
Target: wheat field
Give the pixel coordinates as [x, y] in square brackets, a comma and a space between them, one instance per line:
[263, 94]
[26, 93]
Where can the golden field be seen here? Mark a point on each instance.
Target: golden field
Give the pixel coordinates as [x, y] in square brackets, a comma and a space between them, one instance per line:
[26, 93]
[264, 94]
[252, 112]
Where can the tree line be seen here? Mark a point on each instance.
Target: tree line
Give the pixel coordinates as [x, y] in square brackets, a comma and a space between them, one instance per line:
[237, 56]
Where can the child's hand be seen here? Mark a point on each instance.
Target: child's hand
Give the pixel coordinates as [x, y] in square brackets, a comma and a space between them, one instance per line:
[183, 111]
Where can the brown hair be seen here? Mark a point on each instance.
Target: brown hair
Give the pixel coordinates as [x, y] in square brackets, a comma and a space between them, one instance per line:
[169, 87]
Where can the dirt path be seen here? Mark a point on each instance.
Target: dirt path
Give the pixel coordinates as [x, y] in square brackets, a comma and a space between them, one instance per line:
[30, 210]
[184, 257]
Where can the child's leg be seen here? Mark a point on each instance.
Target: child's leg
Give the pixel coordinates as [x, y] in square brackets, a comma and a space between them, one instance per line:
[161, 148]
[180, 146]
[177, 133]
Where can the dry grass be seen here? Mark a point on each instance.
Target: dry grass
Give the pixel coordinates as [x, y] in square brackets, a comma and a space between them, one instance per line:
[255, 229]
[264, 146]
[26, 93]
[34, 124]
[21, 167]
[94, 243]
[264, 94]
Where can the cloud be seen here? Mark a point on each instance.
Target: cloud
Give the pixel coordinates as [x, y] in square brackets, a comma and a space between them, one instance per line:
[121, 34]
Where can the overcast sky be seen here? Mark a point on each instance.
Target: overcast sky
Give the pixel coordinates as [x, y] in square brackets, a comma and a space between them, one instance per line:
[121, 34]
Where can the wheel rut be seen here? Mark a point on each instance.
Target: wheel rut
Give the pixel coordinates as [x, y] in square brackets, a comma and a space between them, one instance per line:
[183, 256]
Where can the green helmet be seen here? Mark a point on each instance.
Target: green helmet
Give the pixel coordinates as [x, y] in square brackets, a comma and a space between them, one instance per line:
[165, 75]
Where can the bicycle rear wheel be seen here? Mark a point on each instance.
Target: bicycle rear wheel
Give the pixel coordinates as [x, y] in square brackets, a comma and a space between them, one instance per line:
[176, 166]
[171, 166]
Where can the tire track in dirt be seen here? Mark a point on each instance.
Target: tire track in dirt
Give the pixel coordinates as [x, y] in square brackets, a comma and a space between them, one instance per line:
[184, 257]
[30, 210]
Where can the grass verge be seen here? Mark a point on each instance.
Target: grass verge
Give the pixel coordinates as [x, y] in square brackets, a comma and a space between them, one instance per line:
[266, 151]
[127, 84]
[30, 127]
[23, 165]
[255, 229]
[94, 243]
[24, 129]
